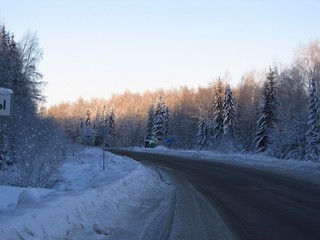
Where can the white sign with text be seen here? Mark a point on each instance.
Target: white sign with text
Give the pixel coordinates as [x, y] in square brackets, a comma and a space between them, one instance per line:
[5, 102]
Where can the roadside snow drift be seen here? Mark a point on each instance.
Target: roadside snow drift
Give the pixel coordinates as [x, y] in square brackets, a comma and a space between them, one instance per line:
[88, 203]
[307, 170]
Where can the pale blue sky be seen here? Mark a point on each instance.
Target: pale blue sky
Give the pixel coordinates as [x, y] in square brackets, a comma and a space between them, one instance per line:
[93, 48]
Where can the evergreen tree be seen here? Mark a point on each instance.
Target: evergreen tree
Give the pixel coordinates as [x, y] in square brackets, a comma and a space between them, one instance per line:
[80, 127]
[149, 127]
[87, 130]
[229, 113]
[161, 122]
[313, 134]
[97, 129]
[88, 118]
[267, 120]
[105, 128]
[34, 144]
[217, 107]
[202, 134]
[112, 124]
[166, 128]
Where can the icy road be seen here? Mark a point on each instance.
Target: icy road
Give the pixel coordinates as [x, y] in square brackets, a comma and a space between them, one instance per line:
[219, 201]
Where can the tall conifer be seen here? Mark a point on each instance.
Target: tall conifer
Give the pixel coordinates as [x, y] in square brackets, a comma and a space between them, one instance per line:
[267, 120]
[313, 134]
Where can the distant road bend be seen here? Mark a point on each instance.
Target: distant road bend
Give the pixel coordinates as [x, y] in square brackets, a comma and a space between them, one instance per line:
[253, 204]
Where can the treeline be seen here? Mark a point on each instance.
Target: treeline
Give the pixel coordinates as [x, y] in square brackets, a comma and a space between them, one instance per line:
[31, 145]
[275, 112]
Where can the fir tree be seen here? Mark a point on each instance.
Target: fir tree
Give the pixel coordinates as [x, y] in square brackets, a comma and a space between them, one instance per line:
[88, 132]
[166, 128]
[98, 129]
[217, 107]
[81, 126]
[149, 127]
[229, 113]
[112, 124]
[313, 134]
[97, 122]
[267, 120]
[202, 134]
[161, 122]
[88, 118]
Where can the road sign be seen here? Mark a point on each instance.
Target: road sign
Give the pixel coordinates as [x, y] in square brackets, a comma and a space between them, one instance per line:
[5, 102]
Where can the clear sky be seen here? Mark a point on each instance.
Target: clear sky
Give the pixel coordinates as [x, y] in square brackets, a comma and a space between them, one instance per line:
[93, 48]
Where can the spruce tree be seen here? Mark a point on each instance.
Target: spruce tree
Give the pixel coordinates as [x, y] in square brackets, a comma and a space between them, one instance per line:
[267, 120]
[161, 122]
[229, 113]
[87, 130]
[217, 108]
[112, 124]
[166, 128]
[202, 134]
[88, 118]
[149, 127]
[312, 151]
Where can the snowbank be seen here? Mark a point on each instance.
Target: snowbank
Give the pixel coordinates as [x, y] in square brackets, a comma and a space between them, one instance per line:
[307, 170]
[86, 200]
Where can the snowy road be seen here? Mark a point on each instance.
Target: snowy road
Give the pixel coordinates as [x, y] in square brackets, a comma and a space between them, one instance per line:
[187, 217]
[254, 204]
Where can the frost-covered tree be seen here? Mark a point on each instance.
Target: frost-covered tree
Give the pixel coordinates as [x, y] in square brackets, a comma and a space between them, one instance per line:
[313, 134]
[247, 94]
[98, 129]
[149, 124]
[166, 128]
[229, 113]
[289, 140]
[88, 118]
[97, 121]
[112, 124]
[161, 122]
[216, 128]
[202, 134]
[31, 144]
[267, 120]
[88, 133]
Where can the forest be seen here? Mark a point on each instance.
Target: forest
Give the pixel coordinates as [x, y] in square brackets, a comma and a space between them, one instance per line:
[274, 111]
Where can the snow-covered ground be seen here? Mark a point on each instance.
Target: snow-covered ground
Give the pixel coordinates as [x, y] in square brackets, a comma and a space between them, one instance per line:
[88, 203]
[120, 202]
[307, 170]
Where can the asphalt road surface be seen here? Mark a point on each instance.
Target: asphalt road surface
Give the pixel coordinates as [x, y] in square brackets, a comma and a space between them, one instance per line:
[253, 204]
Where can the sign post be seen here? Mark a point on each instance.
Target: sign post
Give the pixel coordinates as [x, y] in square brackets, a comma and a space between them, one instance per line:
[5, 102]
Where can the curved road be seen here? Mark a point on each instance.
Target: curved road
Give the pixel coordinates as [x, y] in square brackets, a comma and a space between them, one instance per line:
[254, 204]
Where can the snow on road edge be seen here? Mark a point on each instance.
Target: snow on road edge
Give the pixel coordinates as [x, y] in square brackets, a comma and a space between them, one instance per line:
[307, 170]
